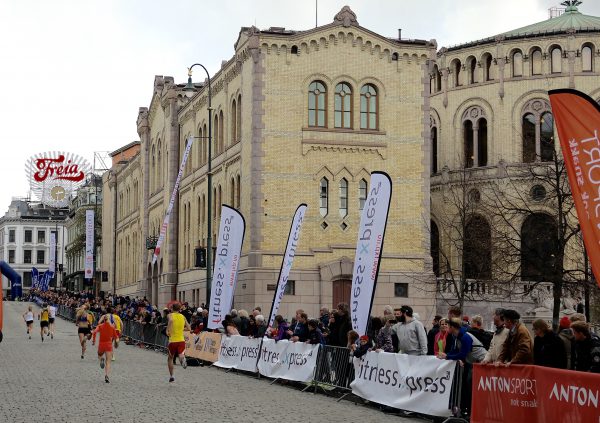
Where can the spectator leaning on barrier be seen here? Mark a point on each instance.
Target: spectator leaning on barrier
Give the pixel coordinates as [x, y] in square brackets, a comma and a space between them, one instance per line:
[339, 325]
[518, 347]
[363, 347]
[500, 335]
[432, 333]
[586, 348]
[324, 316]
[383, 341]
[300, 332]
[282, 328]
[548, 348]
[440, 344]
[410, 333]
[314, 333]
[261, 326]
[478, 332]
[566, 336]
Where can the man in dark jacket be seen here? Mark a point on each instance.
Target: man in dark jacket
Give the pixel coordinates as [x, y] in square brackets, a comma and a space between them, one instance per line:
[586, 349]
[548, 348]
[431, 334]
[314, 333]
[518, 347]
[478, 332]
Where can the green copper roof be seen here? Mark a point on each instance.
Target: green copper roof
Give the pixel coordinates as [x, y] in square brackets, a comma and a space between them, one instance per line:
[572, 18]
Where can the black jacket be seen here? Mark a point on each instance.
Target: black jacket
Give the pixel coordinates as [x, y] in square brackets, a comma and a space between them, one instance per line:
[549, 351]
[586, 355]
[483, 336]
[431, 338]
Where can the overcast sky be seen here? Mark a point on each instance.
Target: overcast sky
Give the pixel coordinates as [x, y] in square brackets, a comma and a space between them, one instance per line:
[74, 72]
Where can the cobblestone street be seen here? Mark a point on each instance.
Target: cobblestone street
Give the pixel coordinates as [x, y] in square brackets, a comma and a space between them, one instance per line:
[50, 382]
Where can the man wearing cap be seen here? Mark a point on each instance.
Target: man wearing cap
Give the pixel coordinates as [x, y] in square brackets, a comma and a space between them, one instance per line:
[566, 336]
[500, 335]
[411, 333]
[518, 347]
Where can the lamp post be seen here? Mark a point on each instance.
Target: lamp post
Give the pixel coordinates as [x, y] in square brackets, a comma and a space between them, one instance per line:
[190, 91]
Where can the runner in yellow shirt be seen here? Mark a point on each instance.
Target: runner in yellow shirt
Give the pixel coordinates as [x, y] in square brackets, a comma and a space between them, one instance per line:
[175, 326]
[44, 318]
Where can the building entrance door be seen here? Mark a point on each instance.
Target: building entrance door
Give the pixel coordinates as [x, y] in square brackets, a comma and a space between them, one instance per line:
[341, 292]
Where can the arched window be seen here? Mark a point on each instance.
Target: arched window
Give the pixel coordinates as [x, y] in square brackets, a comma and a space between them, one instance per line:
[238, 187]
[477, 249]
[539, 247]
[482, 142]
[435, 248]
[456, 68]
[204, 145]
[472, 64]
[434, 149]
[437, 77]
[153, 171]
[368, 107]
[517, 64]
[547, 137]
[343, 106]
[215, 137]
[238, 124]
[528, 131]
[317, 104]
[362, 194]
[324, 197]
[221, 132]
[232, 192]
[487, 67]
[234, 137]
[468, 143]
[536, 62]
[198, 147]
[556, 58]
[343, 197]
[587, 59]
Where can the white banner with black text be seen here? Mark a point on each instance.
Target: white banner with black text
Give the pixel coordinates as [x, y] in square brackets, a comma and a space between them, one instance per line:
[288, 260]
[238, 352]
[369, 248]
[288, 360]
[415, 383]
[227, 260]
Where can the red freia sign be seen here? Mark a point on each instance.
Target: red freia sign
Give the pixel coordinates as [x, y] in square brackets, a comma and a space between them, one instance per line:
[56, 168]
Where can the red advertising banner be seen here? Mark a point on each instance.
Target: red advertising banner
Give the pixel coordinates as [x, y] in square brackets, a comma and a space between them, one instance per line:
[531, 394]
[577, 119]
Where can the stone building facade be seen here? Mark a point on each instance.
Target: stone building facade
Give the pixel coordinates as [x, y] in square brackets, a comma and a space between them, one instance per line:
[298, 116]
[491, 121]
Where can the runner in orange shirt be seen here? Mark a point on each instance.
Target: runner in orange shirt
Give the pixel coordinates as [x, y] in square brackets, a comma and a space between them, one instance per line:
[105, 347]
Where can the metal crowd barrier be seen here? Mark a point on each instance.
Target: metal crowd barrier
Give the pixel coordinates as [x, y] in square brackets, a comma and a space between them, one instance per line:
[149, 335]
[334, 368]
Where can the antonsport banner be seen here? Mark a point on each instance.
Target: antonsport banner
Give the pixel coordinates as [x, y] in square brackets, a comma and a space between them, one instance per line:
[369, 248]
[227, 260]
[532, 394]
[288, 360]
[163, 228]
[415, 383]
[89, 245]
[204, 346]
[578, 123]
[238, 352]
[288, 260]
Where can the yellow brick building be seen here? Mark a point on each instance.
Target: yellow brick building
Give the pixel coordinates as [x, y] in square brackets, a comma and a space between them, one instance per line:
[298, 116]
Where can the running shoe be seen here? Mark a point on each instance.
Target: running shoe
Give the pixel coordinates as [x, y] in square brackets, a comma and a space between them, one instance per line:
[113, 358]
[102, 363]
[171, 379]
[29, 336]
[184, 363]
[106, 379]
[42, 338]
[82, 356]
[51, 336]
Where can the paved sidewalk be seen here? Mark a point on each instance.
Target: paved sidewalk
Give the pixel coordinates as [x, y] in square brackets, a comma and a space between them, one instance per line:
[50, 382]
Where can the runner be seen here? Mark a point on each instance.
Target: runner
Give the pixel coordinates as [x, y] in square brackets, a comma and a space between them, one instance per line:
[175, 328]
[52, 311]
[28, 317]
[115, 320]
[105, 347]
[44, 317]
[84, 320]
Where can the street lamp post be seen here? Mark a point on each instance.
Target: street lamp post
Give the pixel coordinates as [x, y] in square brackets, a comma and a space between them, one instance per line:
[190, 90]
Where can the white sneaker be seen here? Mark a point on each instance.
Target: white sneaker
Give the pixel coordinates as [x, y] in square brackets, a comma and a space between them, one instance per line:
[184, 363]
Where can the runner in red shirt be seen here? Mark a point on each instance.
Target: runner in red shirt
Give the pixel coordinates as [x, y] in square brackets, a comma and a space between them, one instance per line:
[105, 346]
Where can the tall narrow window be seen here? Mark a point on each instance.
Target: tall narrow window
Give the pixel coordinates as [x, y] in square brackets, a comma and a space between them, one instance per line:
[536, 62]
[234, 122]
[362, 194]
[204, 145]
[487, 70]
[468, 143]
[232, 193]
[547, 137]
[472, 67]
[586, 59]
[456, 68]
[368, 107]
[434, 150]
[438, 79]
[517, 64]
[556, 60]
[343, 197]
[343, 106]
[482, 142]
[317, 104]
[239, 119]
[528, 130]
[324, 197]
[159, 165]
[221, 132]
[238, 188]
[215, 137]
